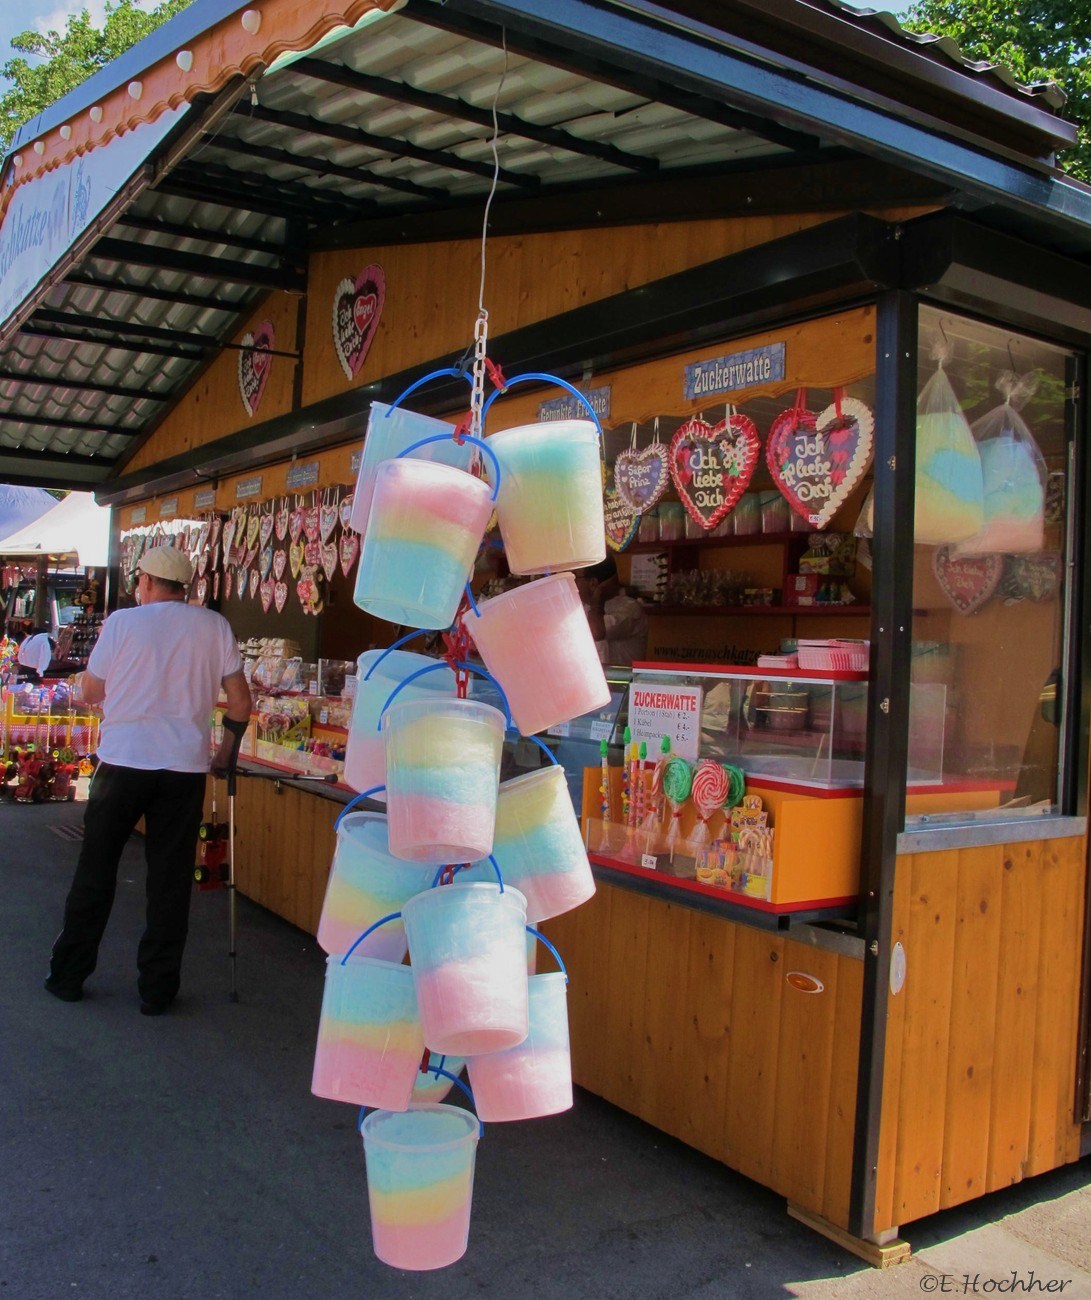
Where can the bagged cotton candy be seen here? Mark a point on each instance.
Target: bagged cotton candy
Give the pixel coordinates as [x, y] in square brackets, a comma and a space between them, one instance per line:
[950, 505]
[1013, 474]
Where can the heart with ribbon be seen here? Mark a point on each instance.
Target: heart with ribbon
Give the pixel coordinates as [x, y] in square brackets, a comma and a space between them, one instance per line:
[228, 583]
[357, 308]
[202, 564]
[214, 530]
[817, 461]
[202, 591]
[265, 561]
[280, 596]
[295, 524]
[344, 510]
[311, 523]
[267, 595]
[350, 548]
[641, 477]
[280, 561]
[215, 586]
[712, 465]
[968, 581]
[327, 522]
[255, 362]
[280, 520]
[312, 553]
[295, 558]
[253, 530]
[228, 539]
[266, 530]
[255, 582]
[621, 522]
[250, 556]
[329, 559]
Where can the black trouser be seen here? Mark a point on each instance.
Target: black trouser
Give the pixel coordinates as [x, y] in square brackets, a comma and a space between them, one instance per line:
[171, 805]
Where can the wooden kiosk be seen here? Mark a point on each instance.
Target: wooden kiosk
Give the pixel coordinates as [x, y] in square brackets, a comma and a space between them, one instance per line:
[903, 1033]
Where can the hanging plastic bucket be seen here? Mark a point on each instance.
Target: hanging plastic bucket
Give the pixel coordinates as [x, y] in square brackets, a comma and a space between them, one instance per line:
[366, 883]
[443, 773]
[467, 946]
[432, 1085]
[390, 431]
[370, 1040]
[420, 1179]
[425, 526]
[550, 501]
[538, 844]
[537, 641]
[535, 1077]
[378, 673]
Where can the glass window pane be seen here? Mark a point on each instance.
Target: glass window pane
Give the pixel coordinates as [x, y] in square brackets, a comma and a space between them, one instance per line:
[988, 596]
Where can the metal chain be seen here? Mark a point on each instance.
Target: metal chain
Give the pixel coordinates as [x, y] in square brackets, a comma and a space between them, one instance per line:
[477, 395]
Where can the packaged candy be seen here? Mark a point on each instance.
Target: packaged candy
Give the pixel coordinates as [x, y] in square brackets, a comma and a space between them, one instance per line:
[950, 489]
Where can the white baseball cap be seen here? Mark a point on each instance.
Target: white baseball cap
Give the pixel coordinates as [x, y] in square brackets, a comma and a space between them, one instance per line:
[168, 563]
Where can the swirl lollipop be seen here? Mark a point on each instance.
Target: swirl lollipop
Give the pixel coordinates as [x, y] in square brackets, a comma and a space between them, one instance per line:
[710, 791]
[677, 784]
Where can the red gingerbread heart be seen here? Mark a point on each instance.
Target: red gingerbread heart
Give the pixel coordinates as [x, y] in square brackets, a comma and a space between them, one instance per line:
[280, 596]
[712, 465]
[280, 522]
[968, 581]
[295, 524]
[350, 548]
[357, 308]
[254, 365]
[816, 461]
[267, 595]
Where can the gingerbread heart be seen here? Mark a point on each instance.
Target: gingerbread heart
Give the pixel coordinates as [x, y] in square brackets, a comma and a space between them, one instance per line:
[357, 307]
[280, 522]
[295, 558]
[266, 531]
[255, 362]
[327, 522]
[265, 562]
[216, 586]
[968, 581]
[255, 582]
[312, 553]
[310, 523]
[280, 596]
[267, 595]
[295, 524]
[250, 556]
[253, 530]
[350, 548]
[641, 477]
[344, 510]
[202, 591]
[202, 564]
[228, 539]
[712, 465]
[228, 583]
[214, 561]
[621, 522]
[280, 560]
[817, 461]
[329, 560]
[202, 536]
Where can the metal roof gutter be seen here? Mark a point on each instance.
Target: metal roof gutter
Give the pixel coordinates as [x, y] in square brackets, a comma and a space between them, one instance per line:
[651, 41]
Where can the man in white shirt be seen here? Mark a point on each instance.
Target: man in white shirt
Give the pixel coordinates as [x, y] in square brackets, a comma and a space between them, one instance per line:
[617, 620]
[36, 652]
[157, 671]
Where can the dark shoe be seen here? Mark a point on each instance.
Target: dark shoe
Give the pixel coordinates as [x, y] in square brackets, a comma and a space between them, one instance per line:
[66, 993]
[153, 1008]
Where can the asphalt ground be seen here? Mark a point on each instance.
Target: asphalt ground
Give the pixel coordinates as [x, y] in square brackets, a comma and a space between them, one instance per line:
[184, 1156]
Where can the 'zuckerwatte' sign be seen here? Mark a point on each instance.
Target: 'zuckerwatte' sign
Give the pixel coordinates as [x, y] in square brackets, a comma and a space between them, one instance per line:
[48, 214]
[737, 370]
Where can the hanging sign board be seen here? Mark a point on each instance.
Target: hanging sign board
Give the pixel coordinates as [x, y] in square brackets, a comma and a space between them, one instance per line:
[357, 457]
[570, 408]
[168, 507]
[140, 513]
[748, 369]
[302, 476]
[656, 711]
[204, 499]
[246, 488]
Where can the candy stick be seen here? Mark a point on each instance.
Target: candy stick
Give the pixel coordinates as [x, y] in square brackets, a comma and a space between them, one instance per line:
[655, 808]
[641, 785]
[677, 783]
[634, 782]
[626, 738]
[604, 788]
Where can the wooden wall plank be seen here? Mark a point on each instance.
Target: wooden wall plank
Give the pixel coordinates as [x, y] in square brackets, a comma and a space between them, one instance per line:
[1016, 1010]
[921, 1101]
[662, 1082]
[973, 1025]
[707, 1013]
[842, 1104]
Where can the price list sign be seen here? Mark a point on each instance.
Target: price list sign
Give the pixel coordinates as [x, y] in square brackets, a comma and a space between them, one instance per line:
[656, 711]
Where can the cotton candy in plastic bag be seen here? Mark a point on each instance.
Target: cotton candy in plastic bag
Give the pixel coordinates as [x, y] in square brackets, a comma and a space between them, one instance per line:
[950, 494]
[1013, 474]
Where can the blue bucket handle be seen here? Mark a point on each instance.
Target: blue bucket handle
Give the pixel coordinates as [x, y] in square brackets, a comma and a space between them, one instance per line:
[542, 939]
[420, 631]
[437, 1070]
[366, 794]
[449, 372]
[391, 916]
[431, 668]
[466, 437]
[541, 378]
[495, 867]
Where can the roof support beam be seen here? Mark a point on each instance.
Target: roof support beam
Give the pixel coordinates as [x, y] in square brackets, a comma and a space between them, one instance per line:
[208, 183]
[58, 458]
[83, 386]
[156, 292]
[133, 253]
[384, 144]
[119, 344]
[443, 105]
[180, 230]
[323, 167]
[77, 426]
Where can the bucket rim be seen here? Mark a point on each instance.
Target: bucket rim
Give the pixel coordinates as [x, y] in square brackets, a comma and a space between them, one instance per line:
[548, 429]
[463, 886]
[382, 658]
[511, 597]
[516, 783]
[435, 469]
[374, 1118]
[452, 706]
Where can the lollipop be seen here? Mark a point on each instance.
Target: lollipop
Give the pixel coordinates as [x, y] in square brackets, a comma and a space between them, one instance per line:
[710, 791]
[677, 784]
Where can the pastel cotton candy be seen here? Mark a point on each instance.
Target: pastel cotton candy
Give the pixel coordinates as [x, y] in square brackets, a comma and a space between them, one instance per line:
[950, 490]
[367, 883]
[538, 846]
[536, 641]
[549, 505]
[370, 1041]
[423, 531]
[420, 1175]
[1014, 500]
[443, 773]
[378, 672]
[432, 1087]
[468, 952]
[535, 1077]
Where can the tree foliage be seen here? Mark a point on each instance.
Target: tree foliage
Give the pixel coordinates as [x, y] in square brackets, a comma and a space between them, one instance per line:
[1040, 40]
[60, 61]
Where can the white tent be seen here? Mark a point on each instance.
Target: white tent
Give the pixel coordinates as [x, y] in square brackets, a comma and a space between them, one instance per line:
[22, 505]
[75, 526]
